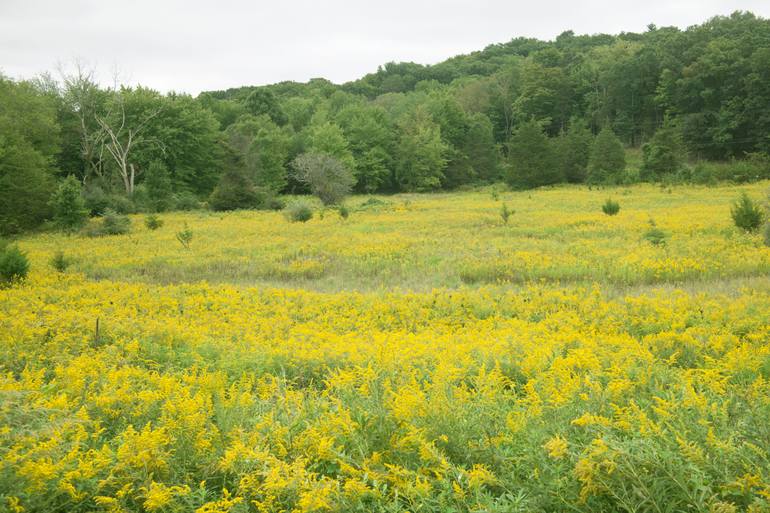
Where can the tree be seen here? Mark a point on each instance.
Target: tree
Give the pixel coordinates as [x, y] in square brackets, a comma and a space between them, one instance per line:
[124, 127]
[574, 148]
[159, 189]
[608, 158]
[69, 208]
[326, 176]
[531, 158]
[420, 153]
[262, 101]
[329, 138]
[663, 154]
[235, 189]
[28, 143]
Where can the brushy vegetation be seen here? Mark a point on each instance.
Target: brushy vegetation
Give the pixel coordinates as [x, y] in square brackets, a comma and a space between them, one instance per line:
[128, 387]
[59, 262]
[111, 223]
[153, 222]
[746, 214]
[611, 207]
[14, 264]
[299, 212]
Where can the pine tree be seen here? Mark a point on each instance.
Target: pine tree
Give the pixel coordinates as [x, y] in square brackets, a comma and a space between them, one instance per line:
[608, 158]
[574, 152]
[663, 154]
[70, 212]
[532, 159]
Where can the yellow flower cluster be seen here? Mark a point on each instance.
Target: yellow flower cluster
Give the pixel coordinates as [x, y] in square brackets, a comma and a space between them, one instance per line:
[126, 387]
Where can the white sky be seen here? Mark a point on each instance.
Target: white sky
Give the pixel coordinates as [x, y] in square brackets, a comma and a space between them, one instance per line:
[194, 45]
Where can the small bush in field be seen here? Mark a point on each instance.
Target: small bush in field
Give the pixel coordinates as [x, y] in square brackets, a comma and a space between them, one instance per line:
[299, 212]
[344, 212]
[59, 262]
[746, 214]
[111, 223]
[185, 236]
[153, 222]
[506, 213]
[611, 207]
[14, 265]
[766, 234]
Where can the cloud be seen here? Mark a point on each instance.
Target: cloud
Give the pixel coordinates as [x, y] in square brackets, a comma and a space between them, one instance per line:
[195, 45]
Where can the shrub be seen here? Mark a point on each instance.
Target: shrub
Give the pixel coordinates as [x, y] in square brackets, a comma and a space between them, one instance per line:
[326, 176]
[59, 262]
[70, 213]
[655, 235]
[96, 200]
[111, 223]
[236, 191]
[344, 212]
[14, 265]
[611, 207]
[299, 212]
[153, 222]
[505, 213]
[275, 203]
[185, 236]
[746, 214]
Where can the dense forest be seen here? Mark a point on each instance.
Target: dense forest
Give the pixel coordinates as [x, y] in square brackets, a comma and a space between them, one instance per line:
[527, 112]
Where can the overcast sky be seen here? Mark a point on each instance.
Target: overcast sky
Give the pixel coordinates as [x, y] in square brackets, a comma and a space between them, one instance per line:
[191, 45]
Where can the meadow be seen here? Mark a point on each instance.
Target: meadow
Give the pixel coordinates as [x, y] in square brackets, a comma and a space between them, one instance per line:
[422, 355]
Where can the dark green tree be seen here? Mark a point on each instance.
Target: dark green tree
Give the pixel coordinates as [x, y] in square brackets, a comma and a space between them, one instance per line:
[159, 188]
[608, 158]
[663, 154]
[532, 158]
[69, 207]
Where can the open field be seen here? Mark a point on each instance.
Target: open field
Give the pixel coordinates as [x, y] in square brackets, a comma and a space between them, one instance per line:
[419, 356]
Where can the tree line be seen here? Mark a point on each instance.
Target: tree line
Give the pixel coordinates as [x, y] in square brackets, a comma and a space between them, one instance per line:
[528, 112]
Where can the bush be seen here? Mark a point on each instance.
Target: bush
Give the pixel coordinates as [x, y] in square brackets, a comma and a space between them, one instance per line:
[70, 213]
[746, 214]
[275, 203]
[14, 265]
[611, 207]
[59, 262]
[299, 212]
[505, 213]
[236, 191]
[153, 222]
[111, 223]
[655, 235]
[326, 176]
[344, 212]
[185, 236]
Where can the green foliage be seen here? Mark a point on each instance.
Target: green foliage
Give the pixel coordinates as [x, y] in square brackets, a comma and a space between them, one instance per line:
[14, 265]
[574, 150]
[608, 158]
[29, 141]
[153, 222]
[185, 236]
[236, 191]
[186, 200]
[110, 223]
[344, 212]
[611, 207]
[766, 234]
[532, 158]
[70, 213]
[505, 213]
[420, 153]
[159, 189]
[655, 235]
[299, 211]
[746, 214]
[326, 176]
[328, 138]
[663, 155]
[59, 262]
